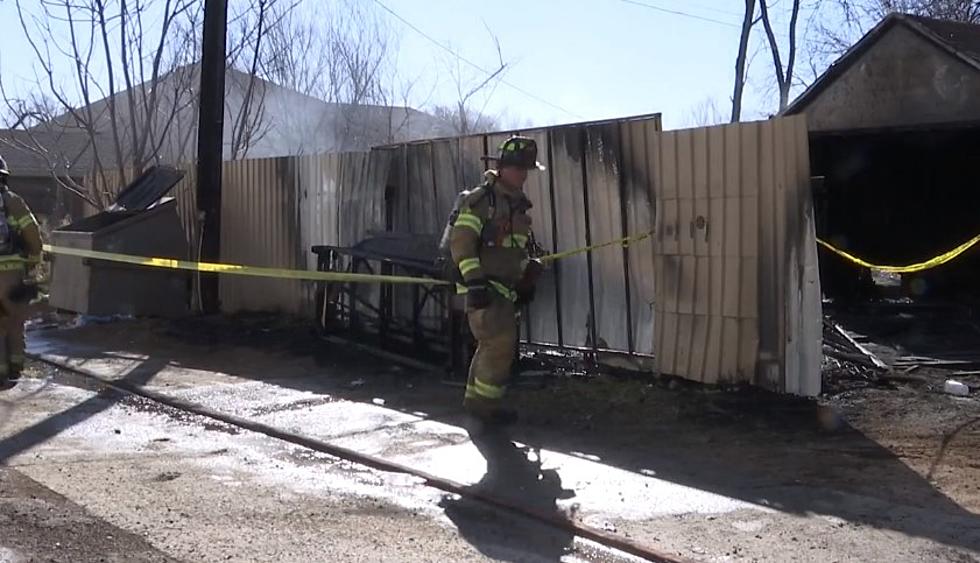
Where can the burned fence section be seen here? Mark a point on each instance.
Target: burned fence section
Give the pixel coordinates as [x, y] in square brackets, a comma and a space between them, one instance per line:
[596, 189]
[724, 290]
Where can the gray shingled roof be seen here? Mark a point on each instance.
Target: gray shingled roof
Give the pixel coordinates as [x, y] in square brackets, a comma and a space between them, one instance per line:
[959, 39]
[295, 123]
[41, 152]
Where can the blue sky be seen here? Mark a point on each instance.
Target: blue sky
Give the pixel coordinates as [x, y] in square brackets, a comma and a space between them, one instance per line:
[595, 59]
[592, 59]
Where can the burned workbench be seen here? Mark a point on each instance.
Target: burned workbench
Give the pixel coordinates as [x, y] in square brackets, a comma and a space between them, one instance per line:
[421, 321]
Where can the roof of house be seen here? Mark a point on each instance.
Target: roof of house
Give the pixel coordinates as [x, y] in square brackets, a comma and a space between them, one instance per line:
[962, 38]
[959, 39]
[289, 112]
[39, 152]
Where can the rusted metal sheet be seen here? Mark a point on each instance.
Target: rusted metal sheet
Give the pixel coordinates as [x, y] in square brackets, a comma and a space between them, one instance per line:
[734, 256]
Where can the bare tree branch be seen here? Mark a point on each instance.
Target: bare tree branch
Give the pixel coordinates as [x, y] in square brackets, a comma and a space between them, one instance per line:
[784, 75]
[462, 117]
[740, 60]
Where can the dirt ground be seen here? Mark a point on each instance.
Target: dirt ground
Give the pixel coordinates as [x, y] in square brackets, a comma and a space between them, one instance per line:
[872, 456]
[35, 520]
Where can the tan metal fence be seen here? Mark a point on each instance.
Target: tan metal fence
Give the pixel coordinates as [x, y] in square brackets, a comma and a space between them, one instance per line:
[737, 291]
[726, 290]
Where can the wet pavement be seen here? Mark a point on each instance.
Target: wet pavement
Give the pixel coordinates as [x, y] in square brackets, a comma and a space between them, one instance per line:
[200, 490]
[161, 485]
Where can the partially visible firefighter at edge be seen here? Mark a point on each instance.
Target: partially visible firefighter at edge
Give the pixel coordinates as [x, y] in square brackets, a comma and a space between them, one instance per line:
[489, 241]
[20, 250]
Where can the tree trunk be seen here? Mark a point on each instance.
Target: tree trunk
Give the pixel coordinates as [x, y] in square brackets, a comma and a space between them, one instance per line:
[784, 77]
[740, 61]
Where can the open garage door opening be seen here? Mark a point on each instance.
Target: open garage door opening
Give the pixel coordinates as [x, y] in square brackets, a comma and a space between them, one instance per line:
[896, 197]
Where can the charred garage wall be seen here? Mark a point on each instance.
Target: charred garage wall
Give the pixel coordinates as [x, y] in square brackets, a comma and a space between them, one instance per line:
[894, 138]
[899, 197]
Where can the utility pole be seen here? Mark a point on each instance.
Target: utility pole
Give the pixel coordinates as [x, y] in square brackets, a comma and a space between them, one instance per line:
[209, 145]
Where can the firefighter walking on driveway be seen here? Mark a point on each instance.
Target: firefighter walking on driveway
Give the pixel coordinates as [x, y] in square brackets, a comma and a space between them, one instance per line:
[20, 250]
[489, 243]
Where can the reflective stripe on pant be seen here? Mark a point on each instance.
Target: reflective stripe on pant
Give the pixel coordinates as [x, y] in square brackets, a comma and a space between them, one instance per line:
[12, 319]
[495, 330]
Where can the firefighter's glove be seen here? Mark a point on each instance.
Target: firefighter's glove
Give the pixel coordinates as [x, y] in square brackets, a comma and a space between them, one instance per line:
[529, 281]
[478, 295]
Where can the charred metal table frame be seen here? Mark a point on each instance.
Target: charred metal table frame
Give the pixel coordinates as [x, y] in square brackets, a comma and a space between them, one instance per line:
[343, 307]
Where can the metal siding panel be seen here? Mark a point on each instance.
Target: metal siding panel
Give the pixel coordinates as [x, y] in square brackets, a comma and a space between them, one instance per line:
[401, 222]
[701, 191]
[471, 167]
[788, 272]
[787, 203]
[696, 229]
[229, 218]
[699, 347]
[261, 232]
[420, 188]
[805, 351]
[414, 199]
[447, 178]
[734, 227]
[749, 231]
[655, 157]
[569, 206]
[639, 189]
[771, 171]
[750, 225]
[682, 360]
[685, 190]
[748, 350]
[606, 223]
[676, 333]
[669, 229]
[716, 224]
[667, 353]
[541, 314]
[715, 231]
[749, 142]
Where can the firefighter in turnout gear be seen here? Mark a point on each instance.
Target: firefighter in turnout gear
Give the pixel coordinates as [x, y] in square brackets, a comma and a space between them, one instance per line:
[489, 244]
[20, 251]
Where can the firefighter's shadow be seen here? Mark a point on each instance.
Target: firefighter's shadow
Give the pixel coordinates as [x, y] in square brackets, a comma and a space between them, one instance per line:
[515, 477]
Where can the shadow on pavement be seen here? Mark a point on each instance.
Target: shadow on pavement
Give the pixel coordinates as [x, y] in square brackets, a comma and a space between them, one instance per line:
[514, 474]
[774, 452]
[55, 424]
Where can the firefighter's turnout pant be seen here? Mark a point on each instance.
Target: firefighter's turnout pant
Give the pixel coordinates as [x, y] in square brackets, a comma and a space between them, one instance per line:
[495, 330]
[12, 318]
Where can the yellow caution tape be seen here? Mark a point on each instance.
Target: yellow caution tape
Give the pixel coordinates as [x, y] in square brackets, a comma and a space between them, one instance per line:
[285, 273]
[312, 275]
[237, 269]
[911, 268]
[625, 241]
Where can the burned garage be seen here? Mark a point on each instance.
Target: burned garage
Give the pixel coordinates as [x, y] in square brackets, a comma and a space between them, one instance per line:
[894, 137]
